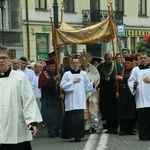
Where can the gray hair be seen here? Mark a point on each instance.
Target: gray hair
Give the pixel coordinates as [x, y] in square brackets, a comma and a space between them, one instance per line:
[143, 53]
[4, 49]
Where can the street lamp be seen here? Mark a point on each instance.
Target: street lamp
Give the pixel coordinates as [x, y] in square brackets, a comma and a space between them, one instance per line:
[2, 3]
[55, 10]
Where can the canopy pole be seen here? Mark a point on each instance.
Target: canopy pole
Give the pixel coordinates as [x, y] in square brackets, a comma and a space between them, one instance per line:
[57, 63]
[112, 26]
[116, 33]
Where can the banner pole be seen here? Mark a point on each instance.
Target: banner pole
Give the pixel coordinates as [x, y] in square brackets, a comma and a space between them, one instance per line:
[112, 39]
[57, 66]
[117, 37]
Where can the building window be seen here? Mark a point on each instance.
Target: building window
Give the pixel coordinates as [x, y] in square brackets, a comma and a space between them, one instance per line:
[12, 53]
[69, 5]
[70, 50]
[95, 4]
[40, 4]
[3, 19]
[119, 5]
[142, 7]
[133, 43]
[141, 39]
[4, 16]
[42, 46]
[123, 42]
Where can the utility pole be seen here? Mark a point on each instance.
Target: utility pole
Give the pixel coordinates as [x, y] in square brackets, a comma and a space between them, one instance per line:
[2, 3]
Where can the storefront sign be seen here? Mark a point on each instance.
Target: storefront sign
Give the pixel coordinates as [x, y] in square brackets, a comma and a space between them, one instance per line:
[46, 29]
[136, 32]
[120, 29]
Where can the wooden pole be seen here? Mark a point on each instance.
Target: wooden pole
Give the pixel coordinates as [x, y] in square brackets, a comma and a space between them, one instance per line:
[112, 39]
[57, 63]
[116, 33]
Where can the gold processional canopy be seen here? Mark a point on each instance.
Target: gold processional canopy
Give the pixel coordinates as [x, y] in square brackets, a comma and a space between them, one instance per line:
[68, 34]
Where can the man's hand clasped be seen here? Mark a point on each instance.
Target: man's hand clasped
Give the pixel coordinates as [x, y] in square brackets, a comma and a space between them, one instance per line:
[146, 80]
[76, 80]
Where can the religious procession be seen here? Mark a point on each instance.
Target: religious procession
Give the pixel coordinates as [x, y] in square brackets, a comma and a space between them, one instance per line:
[75, 98]
[81, 95]
[78, 98]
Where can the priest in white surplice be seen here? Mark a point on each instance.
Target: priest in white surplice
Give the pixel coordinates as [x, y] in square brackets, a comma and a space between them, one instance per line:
[139, 84]
[19, 111]
[75, 83]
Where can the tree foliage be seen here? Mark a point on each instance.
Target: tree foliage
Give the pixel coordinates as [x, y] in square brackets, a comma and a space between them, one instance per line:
[144, 45]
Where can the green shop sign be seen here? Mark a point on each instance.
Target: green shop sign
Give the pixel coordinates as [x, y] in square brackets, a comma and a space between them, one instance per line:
[46, 29]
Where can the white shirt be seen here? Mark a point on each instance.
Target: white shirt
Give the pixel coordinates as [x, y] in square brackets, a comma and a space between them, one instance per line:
[37, 90]
[31, 76]
[75, 97]
[18, 108]
[142, 92]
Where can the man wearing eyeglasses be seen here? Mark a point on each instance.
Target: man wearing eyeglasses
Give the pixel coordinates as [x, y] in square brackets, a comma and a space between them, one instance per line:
[18, 107]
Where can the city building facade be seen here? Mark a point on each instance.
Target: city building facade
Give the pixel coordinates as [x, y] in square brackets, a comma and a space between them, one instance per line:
[26, 24]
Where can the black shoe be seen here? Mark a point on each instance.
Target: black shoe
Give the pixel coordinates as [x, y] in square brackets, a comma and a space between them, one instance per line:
[131, 133]
[114, 132]
[111, 132]
[87, 132]
[104, 126]
[144, 139]
[57, 134]
[77, 139]
[51, 135]
[122, 133]
[108, 131]
[135, 130]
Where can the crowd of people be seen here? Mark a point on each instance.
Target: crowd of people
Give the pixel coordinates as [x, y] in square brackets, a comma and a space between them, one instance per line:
[42, 93]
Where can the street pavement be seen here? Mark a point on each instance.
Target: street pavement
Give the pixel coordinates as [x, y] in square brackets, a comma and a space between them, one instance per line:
[43, 142]
[97, 141]
[127, 142]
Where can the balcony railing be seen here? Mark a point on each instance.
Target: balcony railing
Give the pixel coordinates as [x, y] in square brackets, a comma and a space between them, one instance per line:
[90, 16]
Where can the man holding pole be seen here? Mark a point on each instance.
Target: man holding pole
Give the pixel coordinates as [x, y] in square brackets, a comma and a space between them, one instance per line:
[51, 103]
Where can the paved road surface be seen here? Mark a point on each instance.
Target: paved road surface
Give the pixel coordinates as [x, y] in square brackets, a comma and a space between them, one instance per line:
[98, 141]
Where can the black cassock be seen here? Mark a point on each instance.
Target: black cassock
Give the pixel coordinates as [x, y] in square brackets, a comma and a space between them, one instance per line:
[73, 124]
[18, 146]
[127, 106]
[108, 101]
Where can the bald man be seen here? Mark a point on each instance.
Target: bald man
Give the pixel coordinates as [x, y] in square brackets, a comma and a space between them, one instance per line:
[108, 100]
[15, 64]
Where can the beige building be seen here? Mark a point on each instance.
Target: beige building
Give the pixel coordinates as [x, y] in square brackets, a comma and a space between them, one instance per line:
[136, 22]
[27, 27]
